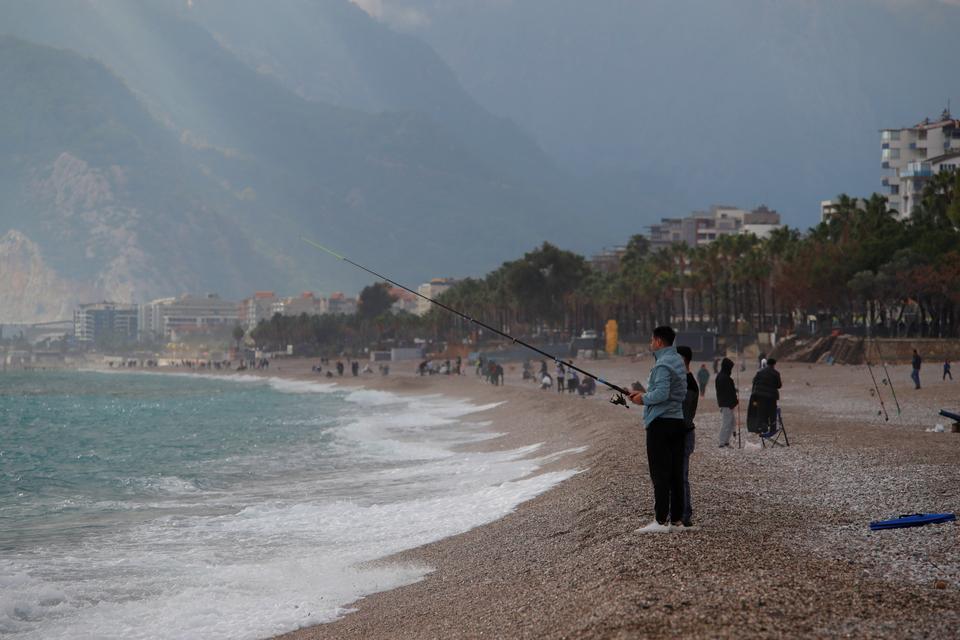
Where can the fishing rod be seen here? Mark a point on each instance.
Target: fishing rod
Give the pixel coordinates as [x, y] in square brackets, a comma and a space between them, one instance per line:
[886, 417]
[883, 363]
[617, 399]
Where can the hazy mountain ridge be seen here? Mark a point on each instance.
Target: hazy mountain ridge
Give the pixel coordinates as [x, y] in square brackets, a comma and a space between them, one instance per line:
[212, 189]
[88, 175]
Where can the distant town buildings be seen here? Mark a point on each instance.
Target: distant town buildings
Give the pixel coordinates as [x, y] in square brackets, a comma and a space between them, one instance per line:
[703, 227]
[263, 305]
[913, 155]
[105, 321]
[432, 289]
[174, 318]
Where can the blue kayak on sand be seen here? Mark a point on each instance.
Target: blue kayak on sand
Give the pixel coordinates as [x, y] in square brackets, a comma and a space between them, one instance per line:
[912, 520]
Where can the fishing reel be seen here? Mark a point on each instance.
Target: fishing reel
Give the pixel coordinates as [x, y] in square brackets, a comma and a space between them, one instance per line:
[618, 398]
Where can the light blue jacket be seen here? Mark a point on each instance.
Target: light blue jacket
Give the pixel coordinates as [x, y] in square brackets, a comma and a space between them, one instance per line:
[666, 388]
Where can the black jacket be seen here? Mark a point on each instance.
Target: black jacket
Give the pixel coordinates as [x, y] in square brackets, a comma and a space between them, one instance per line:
[690, 401]
[766, 384]
[726, 390]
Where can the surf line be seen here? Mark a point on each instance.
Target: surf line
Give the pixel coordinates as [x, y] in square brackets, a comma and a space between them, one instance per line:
[618, 398]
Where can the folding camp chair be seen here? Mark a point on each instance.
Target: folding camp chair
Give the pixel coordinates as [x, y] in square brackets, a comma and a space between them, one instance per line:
[773, 438]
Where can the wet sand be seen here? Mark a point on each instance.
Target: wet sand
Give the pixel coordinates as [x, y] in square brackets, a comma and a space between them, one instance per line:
[781, 546]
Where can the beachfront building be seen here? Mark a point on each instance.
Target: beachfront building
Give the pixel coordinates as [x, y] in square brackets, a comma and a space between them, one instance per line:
[257, 307]
[105, 321]
[174, 318]
[829, 208]
[432, 289]
[338, 302]
[404, 301]
[307, 302]
[912, 155]
[703, 227]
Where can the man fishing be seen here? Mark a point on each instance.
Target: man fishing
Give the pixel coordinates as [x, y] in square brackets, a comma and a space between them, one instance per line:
[665, 428]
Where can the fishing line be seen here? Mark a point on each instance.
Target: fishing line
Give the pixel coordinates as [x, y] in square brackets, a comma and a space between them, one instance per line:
[621, 392]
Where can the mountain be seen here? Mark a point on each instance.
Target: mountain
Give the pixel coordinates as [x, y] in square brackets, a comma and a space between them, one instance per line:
[741, 102]
[156, 161]
[86, 173]
[332, 52]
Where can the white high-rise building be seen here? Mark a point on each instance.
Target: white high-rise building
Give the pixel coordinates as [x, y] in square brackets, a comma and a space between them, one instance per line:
[432, 289]
[172, 318]
[911, 156]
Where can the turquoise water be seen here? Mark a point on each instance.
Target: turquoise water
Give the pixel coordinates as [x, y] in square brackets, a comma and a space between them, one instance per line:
[178, 506]
[81, 444]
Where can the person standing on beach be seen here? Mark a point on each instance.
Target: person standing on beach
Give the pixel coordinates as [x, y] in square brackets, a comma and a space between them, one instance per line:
[915, 374]
[766, 393]
[946, 369]
[690, 402]
[726, 400]
[665, 430]
[703, 377]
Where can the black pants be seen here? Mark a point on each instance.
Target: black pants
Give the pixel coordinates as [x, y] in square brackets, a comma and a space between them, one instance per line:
[665, 443]
[767, 414]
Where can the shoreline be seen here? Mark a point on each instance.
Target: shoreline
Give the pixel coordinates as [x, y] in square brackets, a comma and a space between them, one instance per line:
[781, 546]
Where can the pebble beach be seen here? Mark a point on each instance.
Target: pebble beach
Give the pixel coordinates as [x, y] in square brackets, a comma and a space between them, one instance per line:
[781, 545]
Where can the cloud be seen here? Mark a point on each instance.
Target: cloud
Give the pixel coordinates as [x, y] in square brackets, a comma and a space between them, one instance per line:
[394, 14]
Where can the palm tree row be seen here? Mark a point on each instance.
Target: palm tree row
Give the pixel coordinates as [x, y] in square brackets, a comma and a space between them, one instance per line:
[864, 270]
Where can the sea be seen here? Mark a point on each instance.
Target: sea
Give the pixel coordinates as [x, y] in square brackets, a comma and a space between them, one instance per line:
[139, 505]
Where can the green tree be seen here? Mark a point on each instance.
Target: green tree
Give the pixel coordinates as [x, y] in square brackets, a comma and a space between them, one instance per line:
[374, 300]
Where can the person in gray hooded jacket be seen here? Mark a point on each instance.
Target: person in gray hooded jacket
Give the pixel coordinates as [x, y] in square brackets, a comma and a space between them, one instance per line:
[665, 428]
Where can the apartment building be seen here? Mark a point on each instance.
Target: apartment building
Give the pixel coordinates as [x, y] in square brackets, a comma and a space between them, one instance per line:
[703, 227]
[257, 307]
[307, 302]
[173, 318]
[432, 289]
[100, 321]
[912, 155]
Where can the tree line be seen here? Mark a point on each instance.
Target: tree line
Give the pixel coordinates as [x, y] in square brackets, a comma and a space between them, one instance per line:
[864, 270]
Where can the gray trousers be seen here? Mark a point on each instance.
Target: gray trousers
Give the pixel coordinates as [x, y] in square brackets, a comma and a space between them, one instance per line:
[727, 422]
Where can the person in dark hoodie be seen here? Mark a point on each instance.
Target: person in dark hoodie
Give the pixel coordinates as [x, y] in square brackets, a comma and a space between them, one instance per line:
[665, 430]
[727, 401]
[766, 392]
[690, 402]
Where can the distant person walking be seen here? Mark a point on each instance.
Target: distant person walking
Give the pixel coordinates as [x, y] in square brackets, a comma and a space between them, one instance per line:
[665, 429]
[561, 372]
[915, 374]
[703, 377]
[690, 401]
[726, 400]
[946, 369]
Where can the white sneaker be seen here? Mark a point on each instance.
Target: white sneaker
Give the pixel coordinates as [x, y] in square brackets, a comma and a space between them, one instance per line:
[654, 527]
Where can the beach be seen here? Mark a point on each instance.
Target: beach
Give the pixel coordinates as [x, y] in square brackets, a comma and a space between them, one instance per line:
[781, 546]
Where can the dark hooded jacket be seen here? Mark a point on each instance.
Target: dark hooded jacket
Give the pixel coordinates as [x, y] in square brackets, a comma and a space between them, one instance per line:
[726, 390]
[766, 384]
